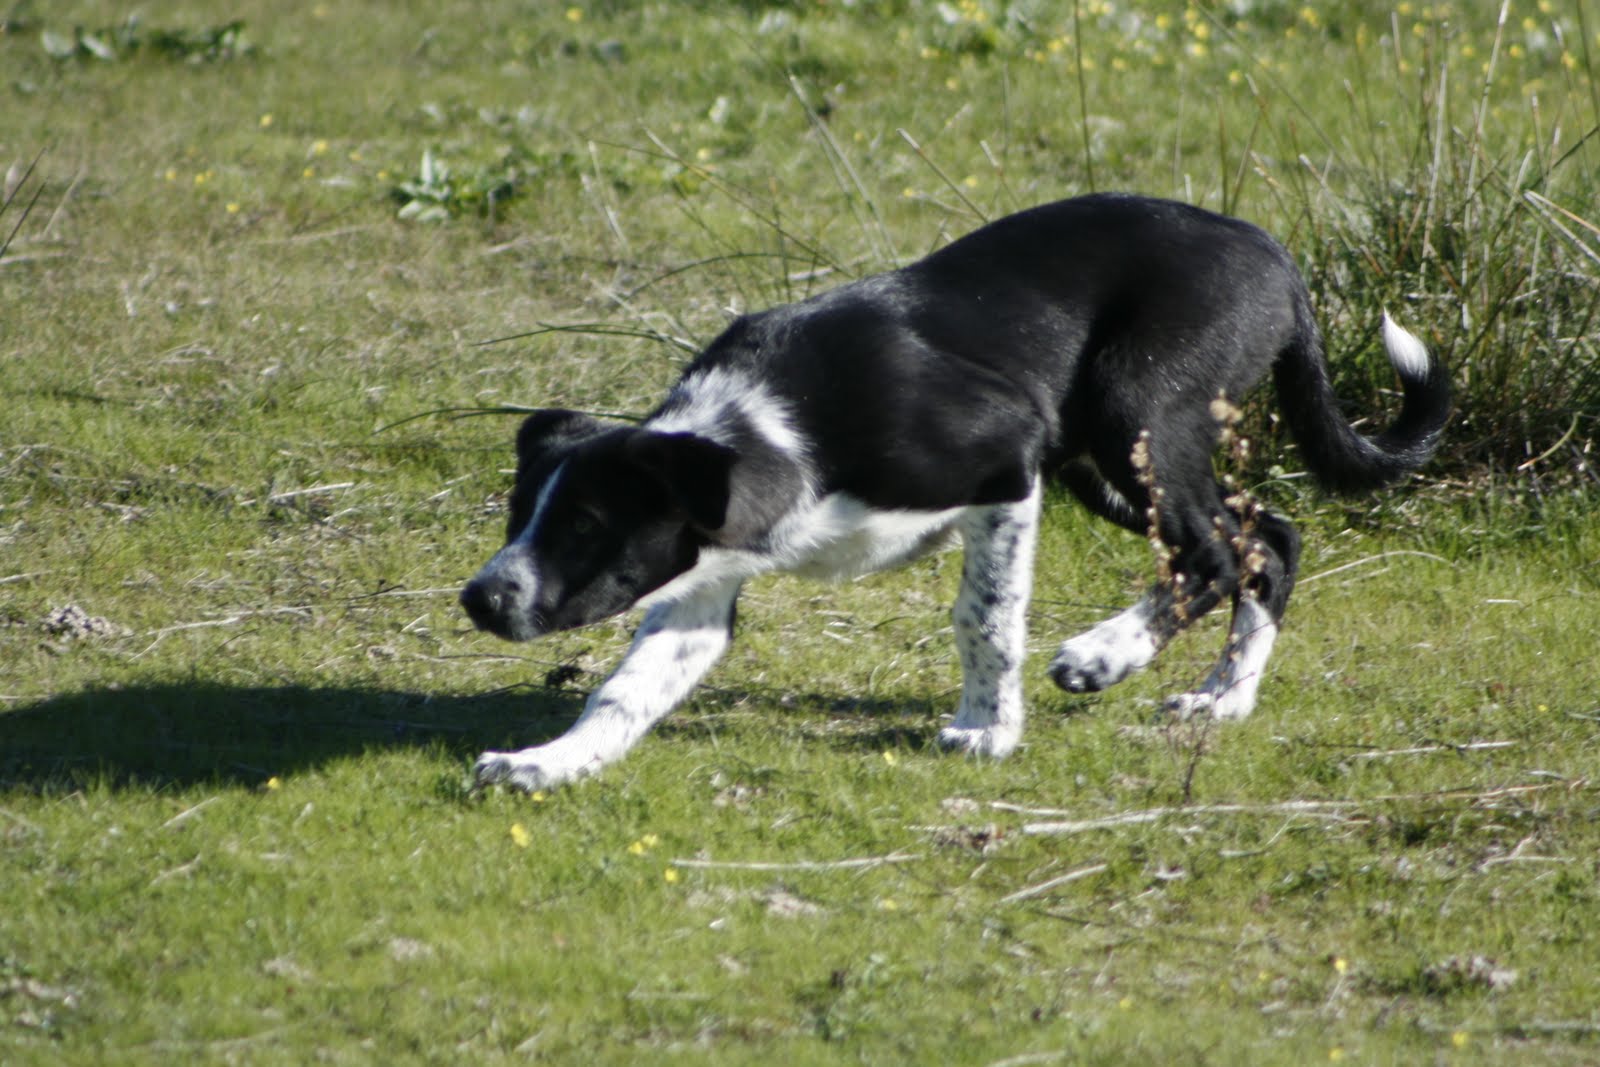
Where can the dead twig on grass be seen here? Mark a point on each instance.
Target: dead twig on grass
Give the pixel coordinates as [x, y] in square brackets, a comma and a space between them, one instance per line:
[1380, 557]
[188, 813]
[292, 494]
[230, 620]
[177, 872]
[1329, 810]
[1422, 750]
[1053, 883]
[1333, 810]
[797, 865]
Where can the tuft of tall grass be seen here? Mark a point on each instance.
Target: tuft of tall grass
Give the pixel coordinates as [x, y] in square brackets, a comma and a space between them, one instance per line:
[1476, 236]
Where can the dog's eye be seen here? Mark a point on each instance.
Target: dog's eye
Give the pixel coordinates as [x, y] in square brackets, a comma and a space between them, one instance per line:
[584, 524]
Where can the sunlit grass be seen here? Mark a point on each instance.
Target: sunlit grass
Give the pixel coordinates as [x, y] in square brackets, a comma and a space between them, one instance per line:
[235, 824]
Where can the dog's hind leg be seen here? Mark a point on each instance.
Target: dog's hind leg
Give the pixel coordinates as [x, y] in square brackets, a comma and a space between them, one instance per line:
[1229, 691]
[1109, 651]
[1269, 558]
[1193, 525]
[991, 625]
[1100, 497]
[674, 647]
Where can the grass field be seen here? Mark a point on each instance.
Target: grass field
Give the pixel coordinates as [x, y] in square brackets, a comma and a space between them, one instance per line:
[259, 274]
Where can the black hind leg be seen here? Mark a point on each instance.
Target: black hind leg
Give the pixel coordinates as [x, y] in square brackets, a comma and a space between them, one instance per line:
[1272, 561]
[1167, 478]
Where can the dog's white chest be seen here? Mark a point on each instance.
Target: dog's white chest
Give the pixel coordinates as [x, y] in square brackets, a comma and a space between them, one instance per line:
[839, 537]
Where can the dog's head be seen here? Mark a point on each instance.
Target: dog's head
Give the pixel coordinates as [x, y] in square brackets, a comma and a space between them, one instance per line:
[601, 515]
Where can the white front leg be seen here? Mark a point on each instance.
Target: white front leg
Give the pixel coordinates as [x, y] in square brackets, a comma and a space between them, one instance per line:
[991, 624]
[672, 650]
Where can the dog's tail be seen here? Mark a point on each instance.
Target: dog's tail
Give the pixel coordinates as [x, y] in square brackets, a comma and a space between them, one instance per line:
[1339, 457]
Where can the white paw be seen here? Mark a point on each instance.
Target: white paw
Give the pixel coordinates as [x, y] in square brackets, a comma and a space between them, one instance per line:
[529, 770]
[1235, 702]
[994, 741]
[1185, 706]
[1229, 694]
[1108, 653]
[1087, 670]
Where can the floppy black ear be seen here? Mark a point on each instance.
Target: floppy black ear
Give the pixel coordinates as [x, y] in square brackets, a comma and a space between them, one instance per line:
[550, 429]
[696, 473]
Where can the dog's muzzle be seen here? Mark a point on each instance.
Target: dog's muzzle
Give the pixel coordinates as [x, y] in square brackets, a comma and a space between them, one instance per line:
[496, 603]
[484, 601]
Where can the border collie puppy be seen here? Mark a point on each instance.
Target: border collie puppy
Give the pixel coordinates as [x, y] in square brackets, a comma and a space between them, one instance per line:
[1085, 342]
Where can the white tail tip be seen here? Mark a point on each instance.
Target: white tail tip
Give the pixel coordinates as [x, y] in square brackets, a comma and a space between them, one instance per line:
[1406, 352]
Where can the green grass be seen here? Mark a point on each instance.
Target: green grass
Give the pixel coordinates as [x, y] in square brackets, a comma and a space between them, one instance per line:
[234, 828]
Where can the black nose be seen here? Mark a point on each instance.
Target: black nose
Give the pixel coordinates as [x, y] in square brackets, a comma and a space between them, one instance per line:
[484, 600]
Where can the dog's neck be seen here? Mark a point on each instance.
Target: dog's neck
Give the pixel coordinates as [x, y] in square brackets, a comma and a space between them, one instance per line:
[765, 484]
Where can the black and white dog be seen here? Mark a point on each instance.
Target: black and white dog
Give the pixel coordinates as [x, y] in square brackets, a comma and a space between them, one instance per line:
[852, 431]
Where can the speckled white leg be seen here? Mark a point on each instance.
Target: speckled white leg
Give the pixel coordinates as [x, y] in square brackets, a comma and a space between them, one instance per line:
[991, 625]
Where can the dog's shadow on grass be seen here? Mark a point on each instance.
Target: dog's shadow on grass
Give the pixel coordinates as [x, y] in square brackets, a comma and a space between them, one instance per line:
[840, 722]
[197, 732]
[190, 733]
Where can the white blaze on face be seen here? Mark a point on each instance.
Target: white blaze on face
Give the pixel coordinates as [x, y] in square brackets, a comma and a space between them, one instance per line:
[514, 562]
